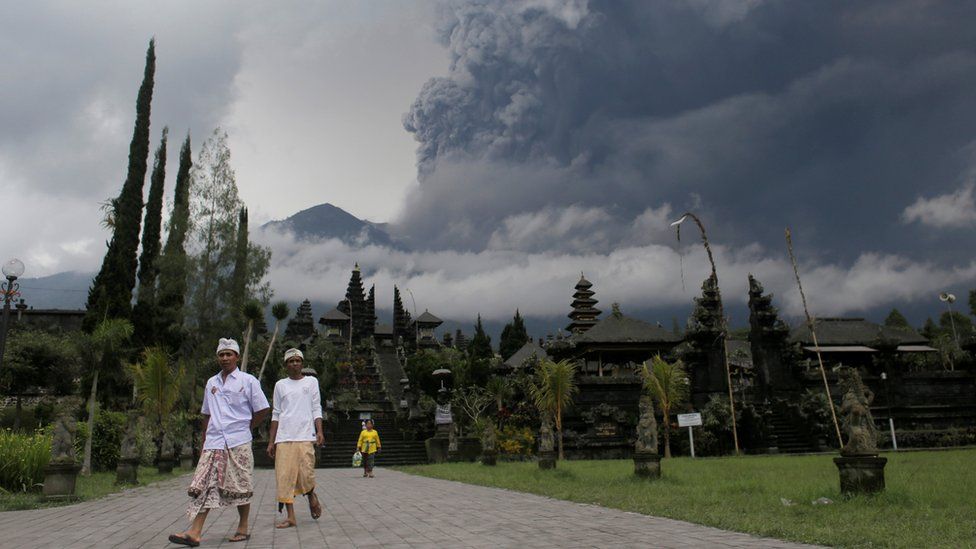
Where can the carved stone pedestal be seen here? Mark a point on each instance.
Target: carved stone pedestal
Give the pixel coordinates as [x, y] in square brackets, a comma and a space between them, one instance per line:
[436, 449]
[59, 480]
[861, 474]
[489, 457]
[165, 464]
[547, 460]
[647, 464]
[127, 471]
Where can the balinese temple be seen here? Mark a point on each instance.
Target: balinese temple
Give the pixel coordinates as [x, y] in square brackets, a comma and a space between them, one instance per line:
[300, 327]
[856, 341]
[335, 325]
[355, 306]
[401, 320]
[619, 344]
[423, 328]
[526, 355]
[584, 313]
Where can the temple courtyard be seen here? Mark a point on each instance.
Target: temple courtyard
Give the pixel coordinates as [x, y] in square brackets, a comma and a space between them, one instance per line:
[393, 510]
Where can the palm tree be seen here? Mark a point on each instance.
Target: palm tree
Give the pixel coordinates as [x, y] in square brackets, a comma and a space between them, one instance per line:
[252, 313]
[157, 387]
[104, 343]
[500, 390]
[553, 391]
[667, 383]
[280, 312]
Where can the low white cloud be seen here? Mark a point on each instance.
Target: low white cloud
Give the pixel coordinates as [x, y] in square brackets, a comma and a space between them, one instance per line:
[494, 282]
[946, 211]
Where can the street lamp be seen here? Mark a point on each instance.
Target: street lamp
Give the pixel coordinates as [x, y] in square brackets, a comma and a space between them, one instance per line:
[721, 314]
[416, 326]
[12, 270]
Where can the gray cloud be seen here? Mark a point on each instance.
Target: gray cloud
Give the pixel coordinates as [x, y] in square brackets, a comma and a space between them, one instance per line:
[831, 118]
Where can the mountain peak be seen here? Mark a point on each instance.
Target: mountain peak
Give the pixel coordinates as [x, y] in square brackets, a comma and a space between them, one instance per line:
[326, 221]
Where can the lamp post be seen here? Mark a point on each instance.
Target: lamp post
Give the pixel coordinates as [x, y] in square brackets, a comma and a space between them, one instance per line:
[721, 313]
[12, 270]
[416, 326]
[891, 420]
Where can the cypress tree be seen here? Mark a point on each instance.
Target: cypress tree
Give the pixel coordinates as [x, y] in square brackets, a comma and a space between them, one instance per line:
[173, 263]
[479, 356]
[110, 295]
[896, 320]
[144, 314]
[238, 288]
[513, 336]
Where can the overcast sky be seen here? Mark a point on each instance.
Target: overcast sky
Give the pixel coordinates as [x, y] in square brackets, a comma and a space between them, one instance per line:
[515, 144]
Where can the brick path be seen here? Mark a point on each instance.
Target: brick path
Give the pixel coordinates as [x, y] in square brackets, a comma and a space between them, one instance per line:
[393, 510]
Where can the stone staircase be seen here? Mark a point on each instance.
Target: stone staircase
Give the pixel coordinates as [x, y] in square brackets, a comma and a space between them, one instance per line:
[788, 439]
[341, 438]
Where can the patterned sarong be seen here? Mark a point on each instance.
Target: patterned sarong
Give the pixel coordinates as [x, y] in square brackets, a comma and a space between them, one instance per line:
[222, 478]
[294, 469]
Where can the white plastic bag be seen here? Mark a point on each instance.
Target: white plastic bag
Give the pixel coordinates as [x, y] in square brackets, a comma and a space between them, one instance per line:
[357, 459]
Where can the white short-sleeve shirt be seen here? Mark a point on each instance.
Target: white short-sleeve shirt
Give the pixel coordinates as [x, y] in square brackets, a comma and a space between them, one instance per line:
[231, 403]
[296, 406]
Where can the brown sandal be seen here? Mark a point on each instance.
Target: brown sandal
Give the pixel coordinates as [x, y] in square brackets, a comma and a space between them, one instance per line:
[314, 506]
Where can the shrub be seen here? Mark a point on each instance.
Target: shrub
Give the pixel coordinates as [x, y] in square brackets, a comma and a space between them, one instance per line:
[109, 429]
[516, 441]
[22, 459]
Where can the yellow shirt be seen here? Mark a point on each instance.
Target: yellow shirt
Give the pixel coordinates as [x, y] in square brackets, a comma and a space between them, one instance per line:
[369, 442]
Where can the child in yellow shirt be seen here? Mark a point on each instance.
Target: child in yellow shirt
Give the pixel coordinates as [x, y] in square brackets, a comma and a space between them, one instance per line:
[368, 445]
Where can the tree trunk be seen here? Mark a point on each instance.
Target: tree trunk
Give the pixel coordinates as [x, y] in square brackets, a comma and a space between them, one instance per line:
[86, 466]
[559, 431]
[17, 413]
[247, 344]
[667, 436]
[274, 335]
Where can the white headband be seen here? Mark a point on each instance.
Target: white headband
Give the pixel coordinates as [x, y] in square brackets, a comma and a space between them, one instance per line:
[292, 353]
[228, 345]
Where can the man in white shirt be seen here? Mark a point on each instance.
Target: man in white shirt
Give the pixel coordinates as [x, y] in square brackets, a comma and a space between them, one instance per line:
[233, 404]
[297, 408]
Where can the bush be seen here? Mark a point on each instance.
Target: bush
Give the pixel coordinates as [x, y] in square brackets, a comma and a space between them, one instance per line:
[516, 441]
[109, 429]
[31, 417]
[22, 459]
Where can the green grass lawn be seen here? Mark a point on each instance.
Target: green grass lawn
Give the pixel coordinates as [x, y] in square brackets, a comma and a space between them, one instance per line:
[91, 487]
[930, 499]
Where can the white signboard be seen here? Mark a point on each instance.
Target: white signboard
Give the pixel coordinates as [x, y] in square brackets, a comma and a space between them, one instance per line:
[689, 420]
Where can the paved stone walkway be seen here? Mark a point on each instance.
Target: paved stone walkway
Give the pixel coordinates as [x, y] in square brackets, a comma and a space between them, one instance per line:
[393, 510]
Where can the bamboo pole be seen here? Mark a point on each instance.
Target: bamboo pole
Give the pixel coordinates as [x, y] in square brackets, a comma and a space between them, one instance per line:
[721, 312]
[816, 344]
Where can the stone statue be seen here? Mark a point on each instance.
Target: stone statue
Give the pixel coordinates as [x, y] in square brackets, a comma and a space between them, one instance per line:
[130, 445]
[546, 441]
[166, 449]
[489, 439]
[855, 412]
[646, 427]
[63, 440]
[452, 440]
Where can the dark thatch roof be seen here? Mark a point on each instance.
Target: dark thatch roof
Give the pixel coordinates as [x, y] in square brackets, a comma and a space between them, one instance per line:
[529, 350]
[854, 331]
[427, 318]
[334, 314]
[618, 328]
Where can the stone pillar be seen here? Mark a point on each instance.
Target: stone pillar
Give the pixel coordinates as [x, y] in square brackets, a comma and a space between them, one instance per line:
[547, 459]
[127, 471]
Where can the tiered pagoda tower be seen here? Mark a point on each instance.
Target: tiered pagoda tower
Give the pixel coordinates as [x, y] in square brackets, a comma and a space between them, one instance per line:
[584, 313]
[301, 327]
[401, 320]
[356, 299]
[371, 310]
